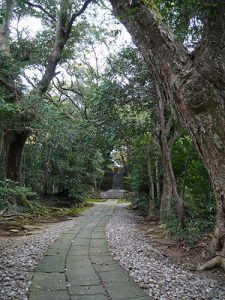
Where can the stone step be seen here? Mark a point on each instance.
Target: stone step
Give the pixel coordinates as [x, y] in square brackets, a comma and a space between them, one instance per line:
[113, 194]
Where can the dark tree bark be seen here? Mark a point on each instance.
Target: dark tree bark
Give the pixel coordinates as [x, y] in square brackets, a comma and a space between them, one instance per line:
[15, 142]
[196, 84]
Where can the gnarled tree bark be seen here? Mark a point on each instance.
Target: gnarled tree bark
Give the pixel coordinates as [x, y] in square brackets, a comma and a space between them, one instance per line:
[196, 84]
[14, 141]
[168, 138]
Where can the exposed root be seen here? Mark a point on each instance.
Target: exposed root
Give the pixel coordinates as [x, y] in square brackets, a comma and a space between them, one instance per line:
[217, 261]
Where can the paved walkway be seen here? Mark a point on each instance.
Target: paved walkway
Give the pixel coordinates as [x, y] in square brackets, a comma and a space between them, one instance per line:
[79, 265]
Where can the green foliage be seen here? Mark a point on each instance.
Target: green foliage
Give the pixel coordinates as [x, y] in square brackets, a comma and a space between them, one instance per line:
[141, 202]
[63, 158]
[9, 76]
[184, 18]
[10, 192]
[132, 13]
[197, 222]
[196, 190]
[138, 161]
[7, 109]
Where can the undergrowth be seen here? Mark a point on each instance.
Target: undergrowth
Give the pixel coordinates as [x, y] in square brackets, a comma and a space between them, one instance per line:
[197, 223]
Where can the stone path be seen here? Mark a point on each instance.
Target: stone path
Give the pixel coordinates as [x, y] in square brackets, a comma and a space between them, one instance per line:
[113, 194]
[79, 266]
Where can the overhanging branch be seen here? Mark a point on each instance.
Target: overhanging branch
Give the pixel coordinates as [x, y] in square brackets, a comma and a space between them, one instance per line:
[40, 7]
[63, 31]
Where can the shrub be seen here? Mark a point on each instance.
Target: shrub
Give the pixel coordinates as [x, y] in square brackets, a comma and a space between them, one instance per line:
[11, 193]
[140, 202]
[197, 223]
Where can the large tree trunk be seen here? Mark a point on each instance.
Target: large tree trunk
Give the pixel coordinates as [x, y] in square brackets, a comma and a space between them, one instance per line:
[12, 153]
[196, 83]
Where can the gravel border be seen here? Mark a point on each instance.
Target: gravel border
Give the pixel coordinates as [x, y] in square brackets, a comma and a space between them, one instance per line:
[163, 279]
[19, 257]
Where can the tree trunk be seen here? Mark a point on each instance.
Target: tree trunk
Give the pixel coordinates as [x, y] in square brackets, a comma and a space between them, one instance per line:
[166, 193]
[7, 9]
[157, 176]
[14, 142]
[196, 84]
[152, 210]
[168, 139]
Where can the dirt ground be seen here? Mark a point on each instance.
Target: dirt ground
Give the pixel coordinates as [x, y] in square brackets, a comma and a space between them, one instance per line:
[187, 257]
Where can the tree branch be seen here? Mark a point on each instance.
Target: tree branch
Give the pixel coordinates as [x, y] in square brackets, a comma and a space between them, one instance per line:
[12, 88]
[166, 55]
[76, 15]
[63, 30]
[40, 7]
[59, 107]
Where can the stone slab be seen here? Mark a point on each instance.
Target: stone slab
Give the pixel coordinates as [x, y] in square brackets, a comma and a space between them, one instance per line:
[101, 259]
[112, 266]
[77, 251]
[56, 295]
[98, 242]
[113, 194]
[75, 261]
[114, 276]
[98, 235]
[99, 229]
[80, 270]
[81, 242]
[51, 264]
[87, 290]
[90, 297]
[48, 281]
[83, 279]
[120, 291]
[99, 251]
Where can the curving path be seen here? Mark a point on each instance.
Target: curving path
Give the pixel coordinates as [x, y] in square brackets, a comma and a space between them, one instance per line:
[79, 266]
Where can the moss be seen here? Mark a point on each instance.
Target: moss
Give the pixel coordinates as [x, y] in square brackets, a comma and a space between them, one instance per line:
[124, 200]
[69, 212]
[24, 202]
[40, 214]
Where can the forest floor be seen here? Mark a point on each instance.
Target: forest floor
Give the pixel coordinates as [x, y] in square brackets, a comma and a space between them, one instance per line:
[158, 261]
[157, 234]
[14, 223]
[179, 251]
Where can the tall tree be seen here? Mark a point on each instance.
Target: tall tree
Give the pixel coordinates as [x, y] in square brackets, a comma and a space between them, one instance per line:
[14, 135]
[195, 82]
